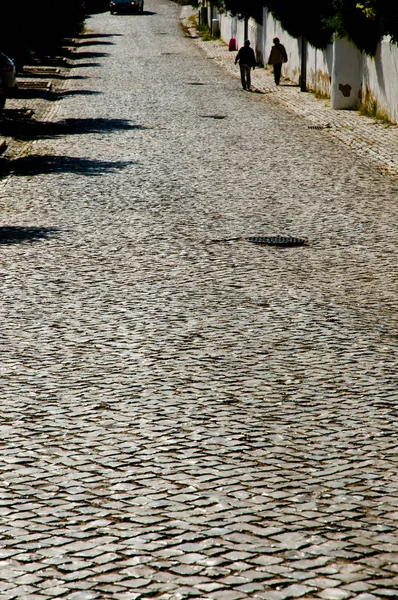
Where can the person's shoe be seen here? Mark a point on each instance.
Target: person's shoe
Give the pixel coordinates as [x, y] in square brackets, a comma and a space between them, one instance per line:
[243, 88]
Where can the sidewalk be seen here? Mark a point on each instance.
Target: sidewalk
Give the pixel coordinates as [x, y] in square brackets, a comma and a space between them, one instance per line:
[39, 86]
[368, 137]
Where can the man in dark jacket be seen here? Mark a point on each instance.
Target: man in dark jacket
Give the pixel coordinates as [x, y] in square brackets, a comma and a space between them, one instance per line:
[247, 61]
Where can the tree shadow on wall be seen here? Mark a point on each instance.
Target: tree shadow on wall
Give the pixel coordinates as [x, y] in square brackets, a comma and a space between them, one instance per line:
[39, 165]
[20, 235]
[29, 129]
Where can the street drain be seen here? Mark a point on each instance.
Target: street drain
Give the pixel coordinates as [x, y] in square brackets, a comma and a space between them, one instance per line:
[195, 83]
[213, 116]
[327, 126]
[277, 241]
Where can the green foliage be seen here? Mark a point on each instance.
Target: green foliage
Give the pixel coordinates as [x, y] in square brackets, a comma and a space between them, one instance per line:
[384, 13]
[242, 8]
[363, 22]
[205, 33]
[358, 23]
[297, 18]
[369, 108]
[305, 18]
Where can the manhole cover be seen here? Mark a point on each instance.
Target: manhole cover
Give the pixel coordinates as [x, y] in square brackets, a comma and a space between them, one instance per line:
[327, 126]
[277, 241]
[213, 116]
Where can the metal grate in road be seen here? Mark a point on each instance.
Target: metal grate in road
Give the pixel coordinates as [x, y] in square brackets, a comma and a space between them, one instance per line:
[327, 126]
[277, 241]
[213, 116]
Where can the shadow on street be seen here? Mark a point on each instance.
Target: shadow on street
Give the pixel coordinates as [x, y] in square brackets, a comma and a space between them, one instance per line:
[29, 93]
[85, 55]
[29, 129]
[40, 75]
[20, 235]
[39, 165]
[99, 35]
[79, 43]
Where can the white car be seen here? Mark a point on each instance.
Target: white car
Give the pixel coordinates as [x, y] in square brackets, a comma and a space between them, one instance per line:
[116, 6]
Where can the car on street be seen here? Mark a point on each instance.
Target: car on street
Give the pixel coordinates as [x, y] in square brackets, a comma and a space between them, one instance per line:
[2, 94]
[116, 6]
[8, 80]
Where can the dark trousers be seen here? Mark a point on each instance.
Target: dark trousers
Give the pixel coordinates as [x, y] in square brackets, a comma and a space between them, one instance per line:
[277, 73]
[245, 76]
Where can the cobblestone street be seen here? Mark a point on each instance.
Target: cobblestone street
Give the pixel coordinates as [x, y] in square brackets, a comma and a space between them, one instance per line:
[185, 414]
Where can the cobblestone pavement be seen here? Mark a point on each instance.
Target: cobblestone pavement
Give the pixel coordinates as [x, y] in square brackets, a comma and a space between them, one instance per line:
[184, 416]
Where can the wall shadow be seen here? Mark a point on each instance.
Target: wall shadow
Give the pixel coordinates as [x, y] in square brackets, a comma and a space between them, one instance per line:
[29, 129]
[21, 235]
[42, 165]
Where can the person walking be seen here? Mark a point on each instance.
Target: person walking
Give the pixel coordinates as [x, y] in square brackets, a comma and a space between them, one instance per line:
[277, 57]
[247, 61]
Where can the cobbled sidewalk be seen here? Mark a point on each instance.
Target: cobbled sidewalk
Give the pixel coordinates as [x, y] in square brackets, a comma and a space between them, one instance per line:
[368, 137]
[36, 101]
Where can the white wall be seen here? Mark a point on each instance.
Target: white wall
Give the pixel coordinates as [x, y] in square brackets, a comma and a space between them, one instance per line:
[319, 69]
[232, 27]
[376, 78]
[380, 79]
[346, 75]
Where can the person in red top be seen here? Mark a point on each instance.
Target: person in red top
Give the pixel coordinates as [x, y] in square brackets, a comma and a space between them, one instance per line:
[247, 61]
[277, 57]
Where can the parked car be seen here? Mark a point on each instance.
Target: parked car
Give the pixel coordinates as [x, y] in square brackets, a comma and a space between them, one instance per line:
[126, 6]
[8, 80]
[2, 94]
